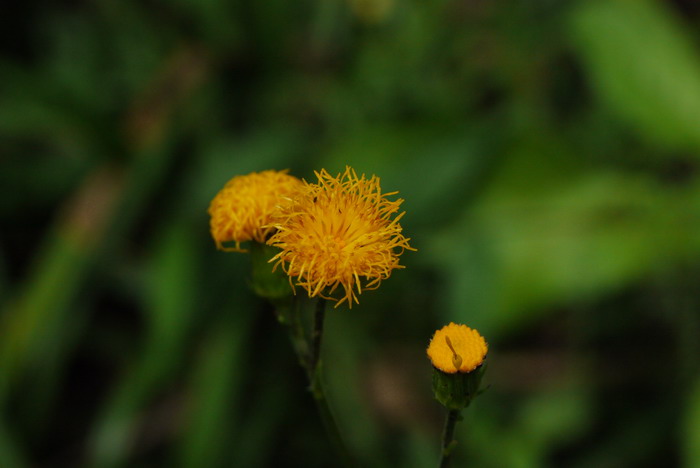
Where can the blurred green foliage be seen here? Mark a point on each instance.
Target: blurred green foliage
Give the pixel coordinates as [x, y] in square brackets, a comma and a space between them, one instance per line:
[547, 152]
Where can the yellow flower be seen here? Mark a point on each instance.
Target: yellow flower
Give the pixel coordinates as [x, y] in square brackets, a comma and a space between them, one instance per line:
[339, 232]
[242, 210]
[457, 348]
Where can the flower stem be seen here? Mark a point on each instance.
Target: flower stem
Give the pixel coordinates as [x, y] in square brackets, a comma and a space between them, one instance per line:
[317, 335]
[297, 335]
[310, 359]
[448, 442]
[331, 426]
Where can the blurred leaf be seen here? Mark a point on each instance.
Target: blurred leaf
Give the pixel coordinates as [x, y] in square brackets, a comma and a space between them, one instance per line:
[9, 453]
[36, 183]
[40, 308]
[170, 302]
[217, 384]
[33, 105]
[630, 442]
[644, 66]
[170, 307]
[691, 429]
[555, 416]
[34, 339]
[216, 21]
[90, 68]
[136, 43]
[74, 63]
[535, 239]
[526, 437]
[48, 373]
[3, 277]
[251, 445]
[419, 451]
[343, 363]
[402, 68]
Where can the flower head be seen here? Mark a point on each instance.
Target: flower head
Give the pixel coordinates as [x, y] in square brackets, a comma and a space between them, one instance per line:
[341, 231]
[457, 348]
[242, 210]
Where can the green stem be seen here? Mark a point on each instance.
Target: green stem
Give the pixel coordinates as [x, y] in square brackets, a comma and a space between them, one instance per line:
[311, 361]
[297, 335]
[331, 426]
[316, 336]
[448, 442]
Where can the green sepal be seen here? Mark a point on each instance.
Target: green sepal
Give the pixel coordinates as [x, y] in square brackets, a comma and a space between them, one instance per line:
[272, 285]
[456, 391]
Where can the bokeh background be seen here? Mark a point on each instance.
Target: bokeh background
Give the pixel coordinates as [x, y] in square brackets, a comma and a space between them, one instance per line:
[548, 155]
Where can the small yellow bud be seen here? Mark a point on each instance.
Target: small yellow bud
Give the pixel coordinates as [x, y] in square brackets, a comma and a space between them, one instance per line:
[457, 348]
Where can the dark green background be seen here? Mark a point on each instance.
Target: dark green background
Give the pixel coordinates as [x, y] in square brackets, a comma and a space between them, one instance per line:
[548, 155]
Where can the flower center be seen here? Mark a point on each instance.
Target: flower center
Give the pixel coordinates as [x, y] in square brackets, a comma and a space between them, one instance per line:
[333, 243]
